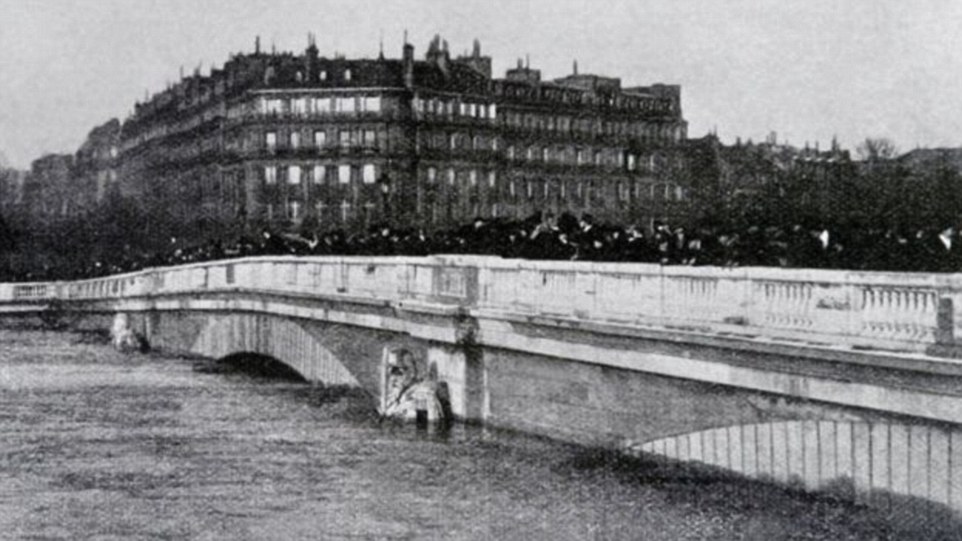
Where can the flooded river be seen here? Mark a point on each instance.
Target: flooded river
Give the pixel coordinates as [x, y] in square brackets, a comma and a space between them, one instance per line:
[99, 445]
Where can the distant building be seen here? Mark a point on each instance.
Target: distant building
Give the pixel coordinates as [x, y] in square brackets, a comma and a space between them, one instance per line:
[11, 191]
[48, 189]
[95, 163]
[277, 138]
[61, 186]
[932, 159]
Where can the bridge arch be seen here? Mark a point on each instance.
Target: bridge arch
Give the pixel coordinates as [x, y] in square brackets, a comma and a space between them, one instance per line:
[866, 461]
[220, 336]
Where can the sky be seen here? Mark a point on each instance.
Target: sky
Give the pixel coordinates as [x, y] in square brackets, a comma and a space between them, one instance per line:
[807, 70]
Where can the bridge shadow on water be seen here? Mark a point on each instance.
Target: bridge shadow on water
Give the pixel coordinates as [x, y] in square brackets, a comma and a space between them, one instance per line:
[698, 486]
[260, 367]
[342, 400]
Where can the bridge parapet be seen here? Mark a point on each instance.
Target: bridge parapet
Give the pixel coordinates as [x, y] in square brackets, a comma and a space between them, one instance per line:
[894, 311]
[31, 291]
[907, 312]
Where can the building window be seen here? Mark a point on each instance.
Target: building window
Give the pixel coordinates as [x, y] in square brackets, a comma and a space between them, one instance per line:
[473, 177]
[319, 173]
[345, 105]
[270, 174]
[530, 154]
[432, 174]
[368, 173]
[273, 106]
[597, 157]
[347, 75]
[320, 138]
[632, 162]
[451, 176]
[369, 138]
[294, 210]
[563, 188]
[294, 174]
[322, 105]
[344, 174]
[323, 75]
[492, 111]
[372, 104]
[295, 139]
[271, 140]
[529, 189]
[511, 152]
[345, 211]
[545, 154]
[345, 138]
[492, 178]
[299, 106]
[511, 189]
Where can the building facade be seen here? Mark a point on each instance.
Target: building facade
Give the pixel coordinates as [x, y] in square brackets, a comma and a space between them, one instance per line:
[276, 139]
[49, 192]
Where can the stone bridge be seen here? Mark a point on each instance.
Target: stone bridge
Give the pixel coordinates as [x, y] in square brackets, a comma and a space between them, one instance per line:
[825, 380]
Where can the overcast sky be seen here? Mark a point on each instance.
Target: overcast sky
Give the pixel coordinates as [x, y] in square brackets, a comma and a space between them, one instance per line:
[807, 70]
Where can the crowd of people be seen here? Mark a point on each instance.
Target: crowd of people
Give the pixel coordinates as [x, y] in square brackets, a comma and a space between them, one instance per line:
[546, 236]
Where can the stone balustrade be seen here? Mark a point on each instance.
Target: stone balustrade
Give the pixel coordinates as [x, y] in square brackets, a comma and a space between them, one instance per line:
[895, 311]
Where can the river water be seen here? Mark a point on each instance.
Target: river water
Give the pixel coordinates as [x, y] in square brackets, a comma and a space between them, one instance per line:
[95, 444]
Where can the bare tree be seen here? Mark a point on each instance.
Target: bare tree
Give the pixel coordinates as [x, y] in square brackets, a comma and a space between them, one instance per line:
[875, 149]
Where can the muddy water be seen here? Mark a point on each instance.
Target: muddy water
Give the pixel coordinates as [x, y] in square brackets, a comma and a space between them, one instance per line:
[99, 445]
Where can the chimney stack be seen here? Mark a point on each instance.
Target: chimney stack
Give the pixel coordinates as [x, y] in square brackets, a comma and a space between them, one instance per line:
[407, 61]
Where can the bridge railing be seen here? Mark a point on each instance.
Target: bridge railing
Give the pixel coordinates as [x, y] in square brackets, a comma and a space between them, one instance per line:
[35, 291]
[879, 310]
[376, 278]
